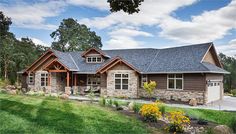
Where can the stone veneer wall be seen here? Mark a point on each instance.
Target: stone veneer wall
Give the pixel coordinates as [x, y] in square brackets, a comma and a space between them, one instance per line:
[57, 85]
[132, 89]
[178, 95]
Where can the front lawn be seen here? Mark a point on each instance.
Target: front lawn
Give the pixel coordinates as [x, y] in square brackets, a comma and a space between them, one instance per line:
[28, 114]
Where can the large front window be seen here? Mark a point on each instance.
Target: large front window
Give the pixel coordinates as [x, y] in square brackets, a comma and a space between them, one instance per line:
[175, 81]
[93, 79]
[44, 79]
[121, 81]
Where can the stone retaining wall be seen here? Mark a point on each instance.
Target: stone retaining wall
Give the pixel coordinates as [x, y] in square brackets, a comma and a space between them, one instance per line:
[178, 95]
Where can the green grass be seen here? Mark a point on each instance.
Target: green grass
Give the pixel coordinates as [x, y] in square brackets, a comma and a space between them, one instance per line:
[219, 117]
[28, 114]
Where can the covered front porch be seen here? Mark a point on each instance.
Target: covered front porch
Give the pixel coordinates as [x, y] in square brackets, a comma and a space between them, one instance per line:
[62, 80]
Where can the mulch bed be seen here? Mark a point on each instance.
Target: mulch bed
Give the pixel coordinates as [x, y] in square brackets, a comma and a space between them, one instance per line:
[161, 125]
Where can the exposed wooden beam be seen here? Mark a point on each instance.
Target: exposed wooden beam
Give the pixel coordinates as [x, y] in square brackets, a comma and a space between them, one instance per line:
[40, 62]
[57, 71]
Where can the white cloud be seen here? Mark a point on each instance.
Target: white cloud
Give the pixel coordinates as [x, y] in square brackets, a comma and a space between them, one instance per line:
[129, 32]
[33, 15]
[209, 26]
[125, 38]
[97, 4]
[151, 13]
[122, 42]
[39, 42]
[228, 49]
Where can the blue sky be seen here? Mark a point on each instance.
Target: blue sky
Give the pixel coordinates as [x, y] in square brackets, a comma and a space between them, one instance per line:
[159, 24]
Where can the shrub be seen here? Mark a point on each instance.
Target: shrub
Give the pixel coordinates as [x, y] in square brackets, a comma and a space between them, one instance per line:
[137, 107]
[232, 124]
[4, 83]
[177, 121]
[102, 101]
[162, 109]
[116, 103]
[149, 87]
[233, 92]
[109, 102]
[150, 112]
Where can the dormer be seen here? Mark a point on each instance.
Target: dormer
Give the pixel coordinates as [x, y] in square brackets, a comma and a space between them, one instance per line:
[94, 55]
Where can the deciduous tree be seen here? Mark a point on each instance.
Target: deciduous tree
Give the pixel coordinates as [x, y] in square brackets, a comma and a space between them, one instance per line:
[72, 36]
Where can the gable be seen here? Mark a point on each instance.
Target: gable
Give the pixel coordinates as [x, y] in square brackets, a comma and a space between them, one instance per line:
[42, 60]
[211, 57]
[116, 64]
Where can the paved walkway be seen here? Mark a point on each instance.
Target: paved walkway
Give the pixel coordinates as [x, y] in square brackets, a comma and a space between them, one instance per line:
[227, 104]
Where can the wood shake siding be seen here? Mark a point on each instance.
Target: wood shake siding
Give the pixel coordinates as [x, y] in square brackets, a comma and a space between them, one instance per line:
[161, 80]
[196, 82]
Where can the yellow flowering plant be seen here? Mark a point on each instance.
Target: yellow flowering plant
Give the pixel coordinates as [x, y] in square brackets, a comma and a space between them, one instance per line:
[177, 121]
[150, 112]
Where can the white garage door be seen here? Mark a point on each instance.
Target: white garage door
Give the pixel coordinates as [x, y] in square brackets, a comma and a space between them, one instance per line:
[213, 91]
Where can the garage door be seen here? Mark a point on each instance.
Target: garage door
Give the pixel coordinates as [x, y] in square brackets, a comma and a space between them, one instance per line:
[213, 91]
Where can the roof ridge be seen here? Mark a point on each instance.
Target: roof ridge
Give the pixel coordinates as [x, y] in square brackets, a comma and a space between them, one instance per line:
[207, 43]
[74, 61]
[152, 60]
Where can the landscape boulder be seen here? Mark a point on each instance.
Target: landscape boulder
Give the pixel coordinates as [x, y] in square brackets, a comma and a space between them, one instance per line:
[64, 96]
[13, 92]
[10, 87]
[193, 102]
[130, 106]
[222, 129]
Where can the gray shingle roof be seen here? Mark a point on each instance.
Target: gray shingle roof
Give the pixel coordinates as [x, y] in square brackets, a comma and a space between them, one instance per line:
[148, 60]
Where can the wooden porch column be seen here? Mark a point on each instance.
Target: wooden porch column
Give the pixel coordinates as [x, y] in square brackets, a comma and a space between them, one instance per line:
[75, 80]
[68, 79]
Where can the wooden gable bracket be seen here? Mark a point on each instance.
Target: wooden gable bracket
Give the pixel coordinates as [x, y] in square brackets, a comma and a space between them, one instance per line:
[57, 67]
[114, 62]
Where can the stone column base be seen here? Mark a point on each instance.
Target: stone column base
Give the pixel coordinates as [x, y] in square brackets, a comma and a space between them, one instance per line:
[75, 89]
[48, 90]
[67, 90]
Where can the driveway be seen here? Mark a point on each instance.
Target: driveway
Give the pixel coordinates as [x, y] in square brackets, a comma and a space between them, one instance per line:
[227, 104]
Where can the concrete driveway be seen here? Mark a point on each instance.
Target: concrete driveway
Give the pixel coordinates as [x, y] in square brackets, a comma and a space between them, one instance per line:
[227, 104]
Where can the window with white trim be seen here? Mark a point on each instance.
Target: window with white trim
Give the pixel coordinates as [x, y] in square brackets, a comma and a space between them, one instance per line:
[93, 79]
[175, 81]
[143, 79]
[91, 59]
[122, 81]
[31, 78]
[44, 79]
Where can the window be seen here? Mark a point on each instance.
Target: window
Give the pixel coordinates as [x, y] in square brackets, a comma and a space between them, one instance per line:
[93, 79]
[122, 81]
[31, 78]
[44, 79]
[175, 81]
[143, 79]
[94, 59]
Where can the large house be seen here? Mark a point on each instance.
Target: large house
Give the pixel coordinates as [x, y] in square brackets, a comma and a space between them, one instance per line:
[181, 73]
